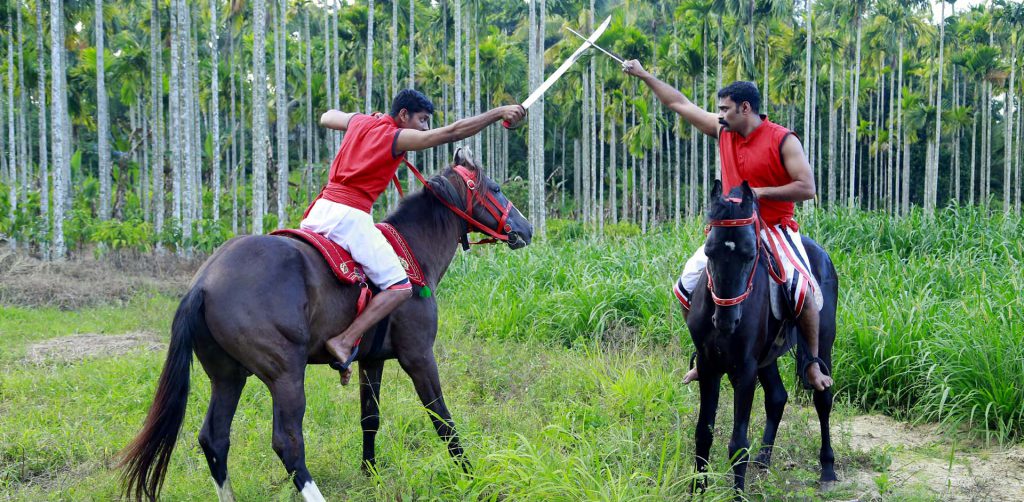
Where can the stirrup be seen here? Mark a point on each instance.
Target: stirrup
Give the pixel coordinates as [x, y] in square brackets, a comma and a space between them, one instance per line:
[803, 373]
[343, 367]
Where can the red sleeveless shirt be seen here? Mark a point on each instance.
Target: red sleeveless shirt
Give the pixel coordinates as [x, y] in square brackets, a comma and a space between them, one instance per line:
[365, 163]
[758, 159]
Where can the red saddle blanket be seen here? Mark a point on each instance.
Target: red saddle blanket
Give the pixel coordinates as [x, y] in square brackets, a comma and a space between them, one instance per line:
[341, 262]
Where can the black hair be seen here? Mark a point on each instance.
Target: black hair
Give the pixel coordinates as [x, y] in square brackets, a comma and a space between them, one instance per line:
[412, 100]
[741, 91]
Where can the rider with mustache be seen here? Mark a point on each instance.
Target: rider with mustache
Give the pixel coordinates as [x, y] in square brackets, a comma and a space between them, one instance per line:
[373, 148]
[771, 159]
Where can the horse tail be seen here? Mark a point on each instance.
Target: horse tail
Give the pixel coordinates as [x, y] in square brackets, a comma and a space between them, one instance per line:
[145, 459]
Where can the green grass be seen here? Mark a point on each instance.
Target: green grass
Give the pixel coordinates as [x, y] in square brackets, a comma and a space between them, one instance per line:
[561, 364]
[538, 420]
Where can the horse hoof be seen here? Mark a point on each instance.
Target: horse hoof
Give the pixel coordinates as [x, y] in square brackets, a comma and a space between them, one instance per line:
[828, 477]
[763, 460]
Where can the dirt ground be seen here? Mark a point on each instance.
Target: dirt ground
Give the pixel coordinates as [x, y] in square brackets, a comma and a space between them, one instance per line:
[916, 458]
[73, 348]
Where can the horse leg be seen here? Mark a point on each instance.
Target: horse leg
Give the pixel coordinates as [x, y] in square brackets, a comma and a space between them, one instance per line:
[710, 385]
[369, 402]
[743, 400]
[775, 398]
[214, 437]
[423, 371]
[289, 396]
[227, 379]
[823, 405]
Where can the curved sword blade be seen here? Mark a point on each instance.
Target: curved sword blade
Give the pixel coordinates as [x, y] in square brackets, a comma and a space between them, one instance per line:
[538, 92]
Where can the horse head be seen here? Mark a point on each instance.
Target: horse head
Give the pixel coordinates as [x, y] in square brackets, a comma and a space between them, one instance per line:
[469, 190]
[732, 249]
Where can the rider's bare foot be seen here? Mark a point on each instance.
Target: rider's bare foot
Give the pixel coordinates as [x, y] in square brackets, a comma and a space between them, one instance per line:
[816, 378]
[690, 375]
[341, 352]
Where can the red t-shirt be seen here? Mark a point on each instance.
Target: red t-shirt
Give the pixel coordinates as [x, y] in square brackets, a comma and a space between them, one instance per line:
[365, 163]
[757, 159]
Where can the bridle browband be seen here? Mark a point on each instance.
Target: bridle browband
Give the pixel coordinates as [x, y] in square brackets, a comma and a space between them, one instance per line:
[473, 196]
[755, 220]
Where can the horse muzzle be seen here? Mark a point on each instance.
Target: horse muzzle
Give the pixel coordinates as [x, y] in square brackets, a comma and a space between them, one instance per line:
[726, 322]
[518, 240]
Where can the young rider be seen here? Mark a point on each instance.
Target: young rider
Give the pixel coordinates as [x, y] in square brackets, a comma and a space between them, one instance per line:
[371, 152]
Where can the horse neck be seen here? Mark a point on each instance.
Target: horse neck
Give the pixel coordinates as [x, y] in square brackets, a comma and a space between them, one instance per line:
[431, 230]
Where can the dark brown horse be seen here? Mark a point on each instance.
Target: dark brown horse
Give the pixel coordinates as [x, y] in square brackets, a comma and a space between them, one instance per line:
[736, 333]
[265, 305]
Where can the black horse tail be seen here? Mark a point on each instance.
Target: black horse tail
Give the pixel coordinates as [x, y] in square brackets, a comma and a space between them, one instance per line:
[145, 459]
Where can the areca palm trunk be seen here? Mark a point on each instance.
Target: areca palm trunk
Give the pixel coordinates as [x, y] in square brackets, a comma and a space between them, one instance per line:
[215, 109]
[311, 131]
[831, 197]
[807, 71]
[934, 175]
[188, 185]
[412, 43]
[613, 167]
[235, 158]
[369, 57]
[23, 146]
[281, 100]
[61, 164]
[457, 31]
[102, 119]
[1008, 147]
[259, 116]
[44, 171]
[853, 116]
[601, 167]
[12, 145]
[900, 139]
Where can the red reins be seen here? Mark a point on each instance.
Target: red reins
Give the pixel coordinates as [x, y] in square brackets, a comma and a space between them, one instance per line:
[490, 202]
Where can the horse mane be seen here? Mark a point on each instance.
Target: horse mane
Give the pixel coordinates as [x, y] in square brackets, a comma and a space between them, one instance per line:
[420, 207]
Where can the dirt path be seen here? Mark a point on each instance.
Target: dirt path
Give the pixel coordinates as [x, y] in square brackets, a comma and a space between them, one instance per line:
[906, 459]
[77, 347]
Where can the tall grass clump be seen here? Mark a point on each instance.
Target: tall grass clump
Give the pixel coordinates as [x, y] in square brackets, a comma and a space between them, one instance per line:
[930, 314]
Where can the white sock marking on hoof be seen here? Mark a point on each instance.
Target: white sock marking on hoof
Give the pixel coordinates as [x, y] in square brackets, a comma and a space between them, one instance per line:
[310, 493]
[224, 493]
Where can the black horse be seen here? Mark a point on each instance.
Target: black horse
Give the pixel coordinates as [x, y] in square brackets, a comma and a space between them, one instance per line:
[737, 335]
[265, 305]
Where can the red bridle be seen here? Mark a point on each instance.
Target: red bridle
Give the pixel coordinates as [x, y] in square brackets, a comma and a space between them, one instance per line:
[482, 197]
[755, 220]
[742, 222]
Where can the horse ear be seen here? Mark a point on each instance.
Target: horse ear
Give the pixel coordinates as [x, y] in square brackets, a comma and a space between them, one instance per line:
[464, 157]
[748, 193]
[748, 196]
[716, 190]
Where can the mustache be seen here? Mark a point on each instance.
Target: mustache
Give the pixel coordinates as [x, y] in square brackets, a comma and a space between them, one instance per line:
[723, 122]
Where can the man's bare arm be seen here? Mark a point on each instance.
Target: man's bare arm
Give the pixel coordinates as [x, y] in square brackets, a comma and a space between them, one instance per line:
[335, 119]
[802, 186]
[703, 120]
[412, 140]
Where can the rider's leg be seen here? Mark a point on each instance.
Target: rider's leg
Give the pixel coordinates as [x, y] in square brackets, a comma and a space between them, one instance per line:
[808, 323]
[684, 287]
[378, 308]
[794, 259]
[355, 232]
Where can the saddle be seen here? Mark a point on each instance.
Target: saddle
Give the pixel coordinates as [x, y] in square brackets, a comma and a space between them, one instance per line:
[345, 267]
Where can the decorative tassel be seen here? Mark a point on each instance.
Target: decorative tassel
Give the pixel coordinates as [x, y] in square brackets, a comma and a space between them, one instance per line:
[425, 292]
